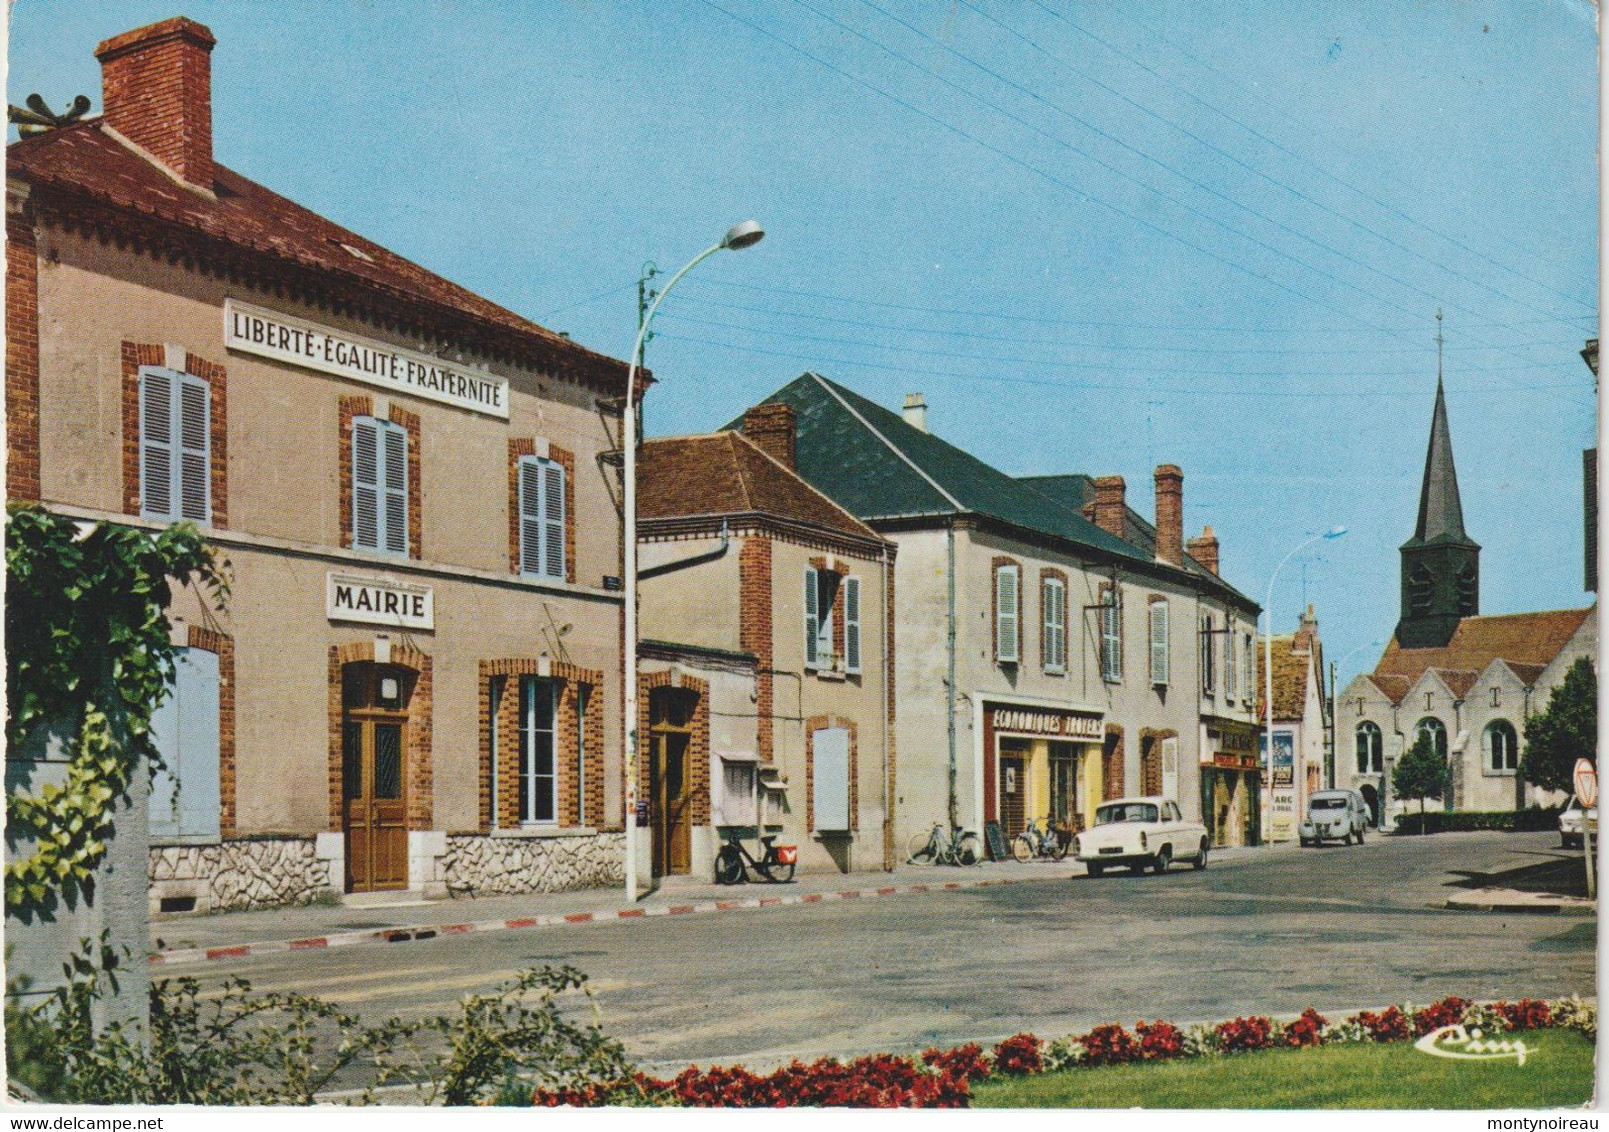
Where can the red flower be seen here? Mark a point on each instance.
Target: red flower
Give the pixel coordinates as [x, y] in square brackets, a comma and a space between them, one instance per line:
[1448, 1012]
[965, 1061]
[1110, 1044]
[1241, 1034]
[1159, 1040]
[1390, 1025]
[1526, 1014]
[1308, 1030]
[1018, 1056]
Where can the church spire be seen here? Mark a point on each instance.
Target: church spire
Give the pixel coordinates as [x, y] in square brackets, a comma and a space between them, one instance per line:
[1441, 512]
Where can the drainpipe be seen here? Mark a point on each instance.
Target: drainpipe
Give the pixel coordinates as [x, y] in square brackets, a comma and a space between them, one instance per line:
[888, 710]
[693, 560]
[949, 693]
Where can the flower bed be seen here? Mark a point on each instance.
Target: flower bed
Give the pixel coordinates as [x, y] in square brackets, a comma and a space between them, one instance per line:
[944, 1078]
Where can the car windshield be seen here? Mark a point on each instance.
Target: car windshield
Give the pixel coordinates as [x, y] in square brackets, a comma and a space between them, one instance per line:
[1125, 811]
[1327, 804]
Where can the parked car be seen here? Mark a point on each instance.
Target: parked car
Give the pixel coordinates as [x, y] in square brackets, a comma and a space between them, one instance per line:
[1334, 813]
[1140, 834]
[1570, 824]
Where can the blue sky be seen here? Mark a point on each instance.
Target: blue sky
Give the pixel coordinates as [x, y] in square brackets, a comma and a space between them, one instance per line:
[1096, 237]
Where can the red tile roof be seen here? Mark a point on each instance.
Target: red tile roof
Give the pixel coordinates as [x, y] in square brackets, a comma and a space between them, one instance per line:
[1290, 678]
[1518, 638]
[725, 473]
[84, 161]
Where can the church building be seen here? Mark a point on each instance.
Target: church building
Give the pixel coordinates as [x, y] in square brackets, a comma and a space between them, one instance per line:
[1466, 680]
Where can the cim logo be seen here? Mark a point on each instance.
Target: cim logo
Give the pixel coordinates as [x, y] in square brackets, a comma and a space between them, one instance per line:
[1461, 1044]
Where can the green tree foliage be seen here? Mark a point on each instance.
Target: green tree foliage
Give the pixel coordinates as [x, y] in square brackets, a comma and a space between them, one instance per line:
[1421, 773]
[89, 656]
[1565, 731]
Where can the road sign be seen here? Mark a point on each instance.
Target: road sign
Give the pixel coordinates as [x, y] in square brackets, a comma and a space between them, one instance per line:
[1586, 783]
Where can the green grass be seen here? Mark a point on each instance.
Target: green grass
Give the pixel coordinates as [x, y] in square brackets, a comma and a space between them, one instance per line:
[1557, 1072]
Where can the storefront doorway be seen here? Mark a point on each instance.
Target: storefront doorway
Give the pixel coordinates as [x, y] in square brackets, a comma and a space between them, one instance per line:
[1064, 813]
[1013, 787]
[373, 741]
[670, 730]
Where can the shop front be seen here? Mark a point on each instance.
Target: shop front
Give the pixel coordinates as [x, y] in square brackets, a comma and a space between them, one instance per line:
[1040, 764]
[1229, 788]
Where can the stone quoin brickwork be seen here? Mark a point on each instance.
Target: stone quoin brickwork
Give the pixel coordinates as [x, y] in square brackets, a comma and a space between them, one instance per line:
[22, 358]
[135, 355]
[210, 640]
[267, 872]
[418, 774]
[818, 723]
[754, 632]
[698, 741]
[480, 865]
[519, 446]
[573, 682]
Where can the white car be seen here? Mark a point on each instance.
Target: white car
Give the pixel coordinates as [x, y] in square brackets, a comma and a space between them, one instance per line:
[1341, 814]
[1570, 822]
[1140, 833]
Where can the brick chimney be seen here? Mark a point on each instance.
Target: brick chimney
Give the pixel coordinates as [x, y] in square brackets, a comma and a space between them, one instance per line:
[1307, 631]
[156, 90]
[915, 411]
[772, 428]
[1170, 514]
[1109, 504]
[1205, 549]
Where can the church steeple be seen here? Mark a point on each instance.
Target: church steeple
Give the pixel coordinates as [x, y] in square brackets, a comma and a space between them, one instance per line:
[1440, 563]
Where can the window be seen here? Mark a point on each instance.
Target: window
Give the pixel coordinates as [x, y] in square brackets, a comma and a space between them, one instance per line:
[1420, 584]
[175, 446]
[1209, 655]
[739, 794]
[1111, 637]
[1501, 747]
[538, 766]
[1229, 666]
[1468, 591]
[820, 591]
[852, 625]
[1007, 613]
[379, 486]
[829, 748]
[1368, 740]
[1053, 600]
[1436, 729]
[1159, 642]
[184, 790]
[541, 505]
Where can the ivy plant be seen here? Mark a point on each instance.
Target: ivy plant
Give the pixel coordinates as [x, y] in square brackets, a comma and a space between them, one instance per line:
[89, 657]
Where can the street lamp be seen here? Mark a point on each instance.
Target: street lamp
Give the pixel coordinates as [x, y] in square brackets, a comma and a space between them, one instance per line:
[739, 236]
[1268, 665]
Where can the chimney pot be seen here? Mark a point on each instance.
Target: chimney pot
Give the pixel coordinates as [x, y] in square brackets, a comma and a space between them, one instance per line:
[773, 430]
[915, 411]
[1109, 506]
[1205, 549]
[156, 90]
[1170, 514]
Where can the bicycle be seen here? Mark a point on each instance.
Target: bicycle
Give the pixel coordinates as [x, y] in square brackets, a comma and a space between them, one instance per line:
[1034, 842]
[776, 864]
[960, 847]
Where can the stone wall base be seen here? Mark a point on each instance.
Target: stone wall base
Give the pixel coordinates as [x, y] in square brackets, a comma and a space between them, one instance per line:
[482, 865]
[238, 874]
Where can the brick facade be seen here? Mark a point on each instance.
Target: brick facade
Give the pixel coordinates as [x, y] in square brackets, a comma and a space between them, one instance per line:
[575, 731]
[210, 640]
[755, 633]
[521, 446]
[137, 354]
[350, 407]
[418, 773]
[1113, 782]
[812, 725]
[22, 358]
[409, 421]
[1151, 758]
[156, 88]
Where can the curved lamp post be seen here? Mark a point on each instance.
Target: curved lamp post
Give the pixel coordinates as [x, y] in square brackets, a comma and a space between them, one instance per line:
[739, 236]
[1268, 665]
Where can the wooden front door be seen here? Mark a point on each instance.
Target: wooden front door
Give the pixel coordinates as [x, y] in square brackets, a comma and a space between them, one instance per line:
[373, 746]
[669, 795]
[1013, 794]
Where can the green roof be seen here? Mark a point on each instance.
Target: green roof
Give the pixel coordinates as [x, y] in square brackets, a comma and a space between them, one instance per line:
[875, 465]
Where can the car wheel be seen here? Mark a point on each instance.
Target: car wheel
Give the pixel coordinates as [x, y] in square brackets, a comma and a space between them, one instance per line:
[1164, 858]
[1360, 835]
[1307, 842]
[1095, 870]
[1201, 858]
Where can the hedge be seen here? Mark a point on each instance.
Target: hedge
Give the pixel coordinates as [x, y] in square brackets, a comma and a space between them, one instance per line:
[1534, 819]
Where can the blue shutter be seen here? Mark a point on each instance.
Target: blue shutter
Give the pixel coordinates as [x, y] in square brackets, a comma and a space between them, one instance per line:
[184, 799]
[852, 624]
[830, 775]
[553, 519]
[156, 443]
[396, 489]
[195, 450]
[164, 800]
[530, 505]
[366, 483]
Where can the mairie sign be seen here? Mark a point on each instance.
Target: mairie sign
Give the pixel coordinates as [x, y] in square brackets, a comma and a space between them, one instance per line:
[379, 601]
[255, 330]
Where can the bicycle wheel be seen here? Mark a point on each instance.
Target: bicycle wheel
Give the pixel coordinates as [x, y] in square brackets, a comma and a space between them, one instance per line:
[1022, 847]
[1056, 847]
[969, 851]
[728, 867]
[920, 849]
[778, 873]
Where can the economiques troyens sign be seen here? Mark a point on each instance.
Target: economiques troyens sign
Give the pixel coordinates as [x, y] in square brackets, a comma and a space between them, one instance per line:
[379, 601]
[1069, 725]
[256, 330]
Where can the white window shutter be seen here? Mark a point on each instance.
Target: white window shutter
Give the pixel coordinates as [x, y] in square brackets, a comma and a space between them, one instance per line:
[1249, 656]
[1170, 768]
[195, 462]
[1053, 595]
[1111, 637]
[530, 505]
[830, 778]
[396, 490]
[156, 444]
[1159, 643]
[1007, 614]
[553, 519]
[366, 484]
[812, 617]
[1230, 667]
[852, 624]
